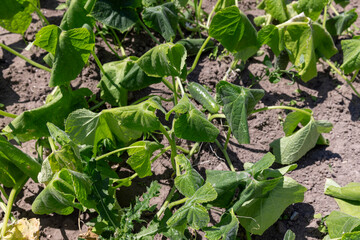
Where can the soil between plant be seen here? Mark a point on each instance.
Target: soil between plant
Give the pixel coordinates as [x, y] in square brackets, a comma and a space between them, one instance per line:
[24, 87]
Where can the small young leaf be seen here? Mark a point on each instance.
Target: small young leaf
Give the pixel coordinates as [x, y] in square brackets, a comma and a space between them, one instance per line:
[277, 9]
[227, 228]
[190, 181]
[312, 8]
[270, 35]
[120, 15]
[293, 119]
[164, 60]
[338, 24]
[238, 103]
[289, 235]
[47, 38]
[351, 49]
[140, 157]
[163, 18]
[76, 16]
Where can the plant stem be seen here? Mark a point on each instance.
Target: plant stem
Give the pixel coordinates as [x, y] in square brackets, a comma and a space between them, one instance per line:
[325, 16]
[282, 107]
[52, 144]
[269, 19]
[10, 202]
[248, 235]
[198, 55]
[175, 91]
[193, 149]
[180, 85]
[148, 32]
[88, 5]
[227, 138]
[218, 115]
[166, 203]
[24, 58]
[343, 76]
[97, 106]
[106, 42]
[180, 31]
[225, 155]
[170, 86]
[212, 12]
[285, 24]
[119, 42]
[4, 193]
[334, 9]
[193, 22]
[172, 144]
[354, 76]
[178, 202]
[40, 14]
[6, 114]
[115, 151]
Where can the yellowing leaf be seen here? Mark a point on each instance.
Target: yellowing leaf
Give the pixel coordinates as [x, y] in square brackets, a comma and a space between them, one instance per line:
[23, 229]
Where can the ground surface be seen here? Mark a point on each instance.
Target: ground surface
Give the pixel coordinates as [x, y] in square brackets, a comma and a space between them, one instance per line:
[24, 87]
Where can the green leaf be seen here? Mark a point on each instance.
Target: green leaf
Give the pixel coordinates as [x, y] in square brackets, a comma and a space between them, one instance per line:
[277, 9]
[32, 124]
[76, 16]
[342, 3]
[338, 24]
[192, 212]
[228, 27]
[339, 223]
[305, 44]
[15, 15]
[312, 8]
[227, 228]
[264, 163]
[270, 35]
[139, 159]
[261, 212]
[47, 38]
[120, 15]
[289, 235]
[192, 125]
[347, 197]
[10, 174]
[162, 18]
[190, 181]
[351, 50]
[238, 103]
[225, 184]
[21, 160]
[351, 236]
[125, 73]
[164, 60]
[61, 193]
[193, 45]
[288, 150]
[72, 53]
[293, 119]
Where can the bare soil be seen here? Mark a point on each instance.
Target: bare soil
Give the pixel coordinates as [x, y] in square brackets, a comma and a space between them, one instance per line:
[24, 87]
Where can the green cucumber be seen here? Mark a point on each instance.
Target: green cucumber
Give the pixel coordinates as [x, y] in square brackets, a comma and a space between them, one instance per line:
[201, 95]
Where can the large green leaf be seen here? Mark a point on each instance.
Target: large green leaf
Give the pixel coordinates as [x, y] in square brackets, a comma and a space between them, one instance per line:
[164, 60]
[76, 16]
[261, 212]
[139, 159]
[277, 9]
[270, 35]
[32, 124]
[22, 161]
[228, 27]
[238, 103]
[225, 184]
[312, 8]
[351, 49]
[192, 125]
[61, 193]
[163, 18]
[339, 223]
[15, 15]
[227, 228]
[190, 181]
[305, 44]
[125, 73]
[47, 38]
[120, 15]
[338, 24]
[290, 149]
[72, 53]
[192, 213]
